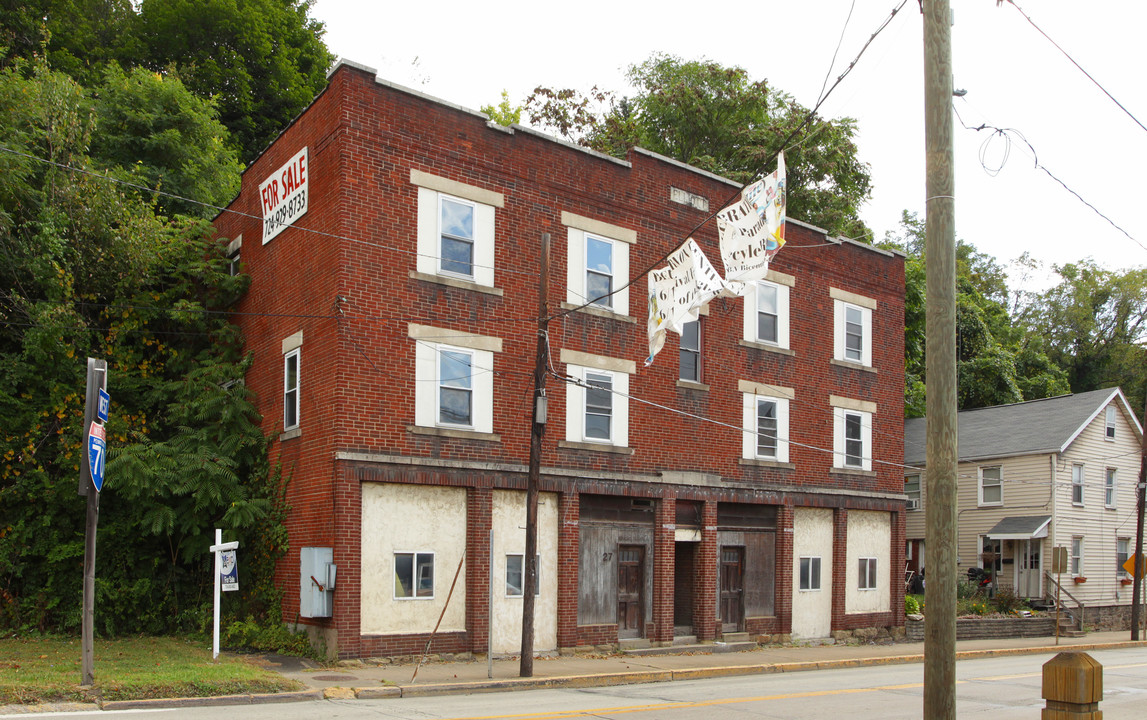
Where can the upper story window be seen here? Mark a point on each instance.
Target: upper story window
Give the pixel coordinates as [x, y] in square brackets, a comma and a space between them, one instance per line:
[1109, 425]
[453, 379]
[690, 364]
[597, 410]
[1076, 484]
[598, 267]
[912, 490]
[234, 250]
[767, 310]
[852, 327]
[1109, 488]
[991, 485]
[455, 229]
[766, 421]
[292, 348]
[852, 433]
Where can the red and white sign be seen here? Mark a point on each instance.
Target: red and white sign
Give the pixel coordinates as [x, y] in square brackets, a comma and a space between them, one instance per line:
[284, 196]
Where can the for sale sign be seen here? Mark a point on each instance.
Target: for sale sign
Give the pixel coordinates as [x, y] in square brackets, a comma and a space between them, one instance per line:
[284, 196]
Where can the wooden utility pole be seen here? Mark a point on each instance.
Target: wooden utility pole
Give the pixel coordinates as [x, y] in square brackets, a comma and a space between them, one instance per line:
[97, 379]
[1140, 492]
[537, 431]
[940, 384]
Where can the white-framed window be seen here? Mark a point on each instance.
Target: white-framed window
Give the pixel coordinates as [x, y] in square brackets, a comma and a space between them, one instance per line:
[291, 389]
[455, 387]
[1109, 488]
[1077, 555]
[455, 229]
[809, 573]
[852, 439]
[991, 485]
[1109, 424]
[413, 575]
[1122, 552]
[516, 575]
[234, 252]
[597, 410]
[767, 313]
[766, 421]
[867, 573]
[912, 490]
[1076, 484]
[852, 329]
[991, 554]
[453, 379]
[598, 263]
[690, 362]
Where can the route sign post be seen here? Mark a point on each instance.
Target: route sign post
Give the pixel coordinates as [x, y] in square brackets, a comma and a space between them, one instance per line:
[92, 460]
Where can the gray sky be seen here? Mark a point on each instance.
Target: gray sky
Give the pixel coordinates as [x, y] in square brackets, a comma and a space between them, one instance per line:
[468, 52]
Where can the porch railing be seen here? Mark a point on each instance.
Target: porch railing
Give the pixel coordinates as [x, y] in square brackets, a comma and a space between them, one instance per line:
[1077, 613]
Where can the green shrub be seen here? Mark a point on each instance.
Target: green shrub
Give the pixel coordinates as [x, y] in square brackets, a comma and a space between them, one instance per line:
[1006, 601]
[912, 605]
[269, 636]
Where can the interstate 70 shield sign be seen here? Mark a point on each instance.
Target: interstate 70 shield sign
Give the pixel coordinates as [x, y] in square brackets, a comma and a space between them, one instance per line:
[97, 451]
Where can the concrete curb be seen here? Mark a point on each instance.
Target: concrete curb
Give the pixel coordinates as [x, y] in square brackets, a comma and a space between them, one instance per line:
[211, 700]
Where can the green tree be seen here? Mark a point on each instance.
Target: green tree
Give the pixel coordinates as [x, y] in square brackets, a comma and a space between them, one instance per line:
[997, 360]
[92, 270]
[79, 37]
[166, 139]
[1094, 324]
[721, 120]
[263, 60]
[504, 113]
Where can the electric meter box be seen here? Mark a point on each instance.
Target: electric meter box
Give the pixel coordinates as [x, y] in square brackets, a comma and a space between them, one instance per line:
[317, 575]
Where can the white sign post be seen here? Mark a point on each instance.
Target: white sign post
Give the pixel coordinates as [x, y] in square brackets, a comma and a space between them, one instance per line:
[221, 548]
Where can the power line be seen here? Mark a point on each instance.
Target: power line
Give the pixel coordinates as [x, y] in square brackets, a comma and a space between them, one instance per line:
[1077, 65]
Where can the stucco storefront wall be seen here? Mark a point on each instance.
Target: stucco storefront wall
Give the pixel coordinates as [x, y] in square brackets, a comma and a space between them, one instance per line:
[812, 537]
[509, 520]
[869, 536]
[411, 518]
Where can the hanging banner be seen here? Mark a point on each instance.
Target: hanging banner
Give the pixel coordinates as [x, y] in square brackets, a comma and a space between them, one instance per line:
[752, 230]
[677, 292]
[283, 196]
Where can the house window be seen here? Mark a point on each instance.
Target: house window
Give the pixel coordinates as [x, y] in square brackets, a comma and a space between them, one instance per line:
[991, 554]
[1077, 556]
[1122, 552]
[598, 406]
[596, 409]
[767, 313]
[867, 574]
[599, 271]
[853, 328]
[852, 439]
[810, 573]
[455, 387]
[453, 380]
[991, 485]
[455, 229]
[233, 262]
[1109, 488]
[766, 427]
[516, 576]
[1076, 484]
[690, 368]
[456, 236]
[912, 490]
[291, 390]
[1109, 429]
[413, 575]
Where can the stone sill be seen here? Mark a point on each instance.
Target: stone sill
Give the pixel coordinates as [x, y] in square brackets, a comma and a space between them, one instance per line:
[766, 347]
[852, 365]
[600, 312]
[456, 283]
[452, 433]
[595, 447]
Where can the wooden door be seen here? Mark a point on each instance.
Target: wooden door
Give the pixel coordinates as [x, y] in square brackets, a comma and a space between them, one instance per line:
[630, 591]
[732, 601]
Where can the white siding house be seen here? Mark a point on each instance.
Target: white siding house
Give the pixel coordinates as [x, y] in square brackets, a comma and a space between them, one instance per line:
[1057, 472]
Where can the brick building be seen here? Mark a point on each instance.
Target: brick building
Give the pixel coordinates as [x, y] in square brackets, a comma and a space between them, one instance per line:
[747, 481]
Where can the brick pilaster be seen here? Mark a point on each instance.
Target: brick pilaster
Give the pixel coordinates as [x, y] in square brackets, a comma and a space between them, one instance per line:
[896, 552]
[783, 601]
[568, 553]
[664, 568]
[705, 589]
[839, 565]
[479, 519]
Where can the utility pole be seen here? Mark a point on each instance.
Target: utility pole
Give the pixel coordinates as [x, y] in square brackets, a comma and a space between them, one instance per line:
[91, 480]
[1140, 492]
[537, 432]
[940, 384]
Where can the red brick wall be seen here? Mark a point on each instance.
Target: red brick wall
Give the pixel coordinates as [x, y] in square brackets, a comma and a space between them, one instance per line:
[354, 297]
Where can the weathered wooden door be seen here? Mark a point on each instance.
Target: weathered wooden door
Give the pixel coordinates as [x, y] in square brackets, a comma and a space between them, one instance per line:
[630, 589]
[732, 602]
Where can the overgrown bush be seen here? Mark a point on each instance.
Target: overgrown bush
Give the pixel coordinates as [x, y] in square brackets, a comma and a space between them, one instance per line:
[268, 635]
[1006, 601]
[913, 605]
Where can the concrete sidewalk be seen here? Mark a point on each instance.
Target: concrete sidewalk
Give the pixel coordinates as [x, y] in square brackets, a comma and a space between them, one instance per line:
[354, 679]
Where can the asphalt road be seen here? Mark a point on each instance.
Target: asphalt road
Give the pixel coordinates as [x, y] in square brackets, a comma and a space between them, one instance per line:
[1000, 688]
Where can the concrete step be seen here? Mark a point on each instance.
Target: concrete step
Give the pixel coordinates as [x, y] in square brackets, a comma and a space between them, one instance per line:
[627, 644]
[735, 637]
[685, 640]
[702, 648]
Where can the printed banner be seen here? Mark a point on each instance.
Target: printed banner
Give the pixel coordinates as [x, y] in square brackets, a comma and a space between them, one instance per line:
[752, 230]
[677, 292]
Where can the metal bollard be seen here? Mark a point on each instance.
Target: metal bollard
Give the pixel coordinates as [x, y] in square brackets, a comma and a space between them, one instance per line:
[1072, 687]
